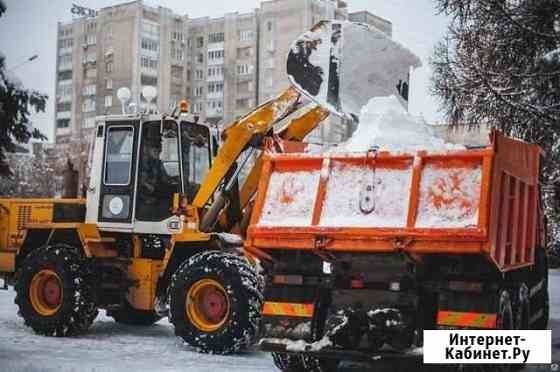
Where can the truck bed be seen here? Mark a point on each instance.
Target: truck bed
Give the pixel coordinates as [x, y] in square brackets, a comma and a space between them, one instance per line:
[481, 201]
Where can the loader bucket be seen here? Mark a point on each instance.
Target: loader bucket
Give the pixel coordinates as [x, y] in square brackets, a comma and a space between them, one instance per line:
[340, 65]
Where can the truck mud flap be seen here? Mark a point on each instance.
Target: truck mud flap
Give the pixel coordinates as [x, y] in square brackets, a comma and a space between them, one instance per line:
[286, 320]
[288, 312]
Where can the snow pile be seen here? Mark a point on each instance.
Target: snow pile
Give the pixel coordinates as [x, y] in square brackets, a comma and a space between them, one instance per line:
[344, 187]
[290, 199]
[449, 197]
[385, 124]
[553, 56]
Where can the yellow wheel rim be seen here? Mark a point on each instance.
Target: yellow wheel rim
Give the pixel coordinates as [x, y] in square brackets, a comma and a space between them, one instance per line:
[207, 305]
[45, 292]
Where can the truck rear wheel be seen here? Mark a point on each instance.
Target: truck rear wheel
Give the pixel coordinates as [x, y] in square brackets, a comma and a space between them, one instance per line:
[55, 291]
[286, 362]
[129, 315]
[540, 302]
[215, 302]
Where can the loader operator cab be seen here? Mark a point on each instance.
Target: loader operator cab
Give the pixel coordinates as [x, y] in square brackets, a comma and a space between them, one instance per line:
[139, 163]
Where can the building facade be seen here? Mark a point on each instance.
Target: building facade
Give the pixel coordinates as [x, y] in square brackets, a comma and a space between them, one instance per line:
[224, 66]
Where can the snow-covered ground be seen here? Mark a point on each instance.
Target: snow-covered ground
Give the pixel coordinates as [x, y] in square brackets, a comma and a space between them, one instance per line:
[114, 347]
[109, 346]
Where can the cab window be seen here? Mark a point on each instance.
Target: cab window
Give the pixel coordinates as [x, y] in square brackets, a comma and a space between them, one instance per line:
[118, 157]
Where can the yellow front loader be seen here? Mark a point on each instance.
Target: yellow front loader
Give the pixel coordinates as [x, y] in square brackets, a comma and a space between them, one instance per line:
[135, 246]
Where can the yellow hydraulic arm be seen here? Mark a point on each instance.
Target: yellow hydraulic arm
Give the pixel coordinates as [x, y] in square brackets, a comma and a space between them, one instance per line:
[238, 135]
[296, 130]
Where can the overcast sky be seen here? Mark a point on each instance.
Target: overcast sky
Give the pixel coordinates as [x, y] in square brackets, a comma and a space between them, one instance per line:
[29, 27]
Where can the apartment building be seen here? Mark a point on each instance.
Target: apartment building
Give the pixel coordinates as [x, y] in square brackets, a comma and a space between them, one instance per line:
[225, 66]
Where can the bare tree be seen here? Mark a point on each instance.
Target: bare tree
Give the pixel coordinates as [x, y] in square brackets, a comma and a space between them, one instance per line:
[500, 65]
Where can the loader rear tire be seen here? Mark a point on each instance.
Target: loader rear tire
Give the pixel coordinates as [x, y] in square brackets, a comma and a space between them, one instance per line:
[55, 291]
[131, 316]
[215, 302]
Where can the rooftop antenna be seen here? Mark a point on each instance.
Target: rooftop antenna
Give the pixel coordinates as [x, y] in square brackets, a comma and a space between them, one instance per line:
[123, 94]
[149, 92]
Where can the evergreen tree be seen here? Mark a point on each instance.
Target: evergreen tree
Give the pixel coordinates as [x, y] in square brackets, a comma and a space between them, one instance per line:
[500, 65]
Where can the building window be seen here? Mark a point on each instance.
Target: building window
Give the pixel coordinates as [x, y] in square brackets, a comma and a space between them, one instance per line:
[90, 39]
[89, 122]
[148, 62]
[198, 91]
[89, 90]
[269, 26]
[108, 101]
[91, 26]
[244, 52]
[109, 67]
[150, 29]
[215, 54]
[177, 36]
[245, 35]
[65, 32]
[178, 54]
[63, 123]
[148, 80]
[109, 83]
[63, 106]
[91, 73]
[217, 37]
[66, 43]
[150, 45]
[242, 103]
[198, 108]
[215, 87]
[199, 75]
[88, 105]
[65, 75]
[244, 69]
[188, 75]
[65, 60]
[65, 90]
[200, 58]
[200, 42]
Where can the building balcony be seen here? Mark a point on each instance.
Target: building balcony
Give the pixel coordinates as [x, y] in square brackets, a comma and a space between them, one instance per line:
[64, 115]
[214, 112]
[149, 71]
[245, 77]
[64, 99]
[63, 131]
[215, 95]
[65, 67]
[215, 61]
[64, 51]
[215, 46]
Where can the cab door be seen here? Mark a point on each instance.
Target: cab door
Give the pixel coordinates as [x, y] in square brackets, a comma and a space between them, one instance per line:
[118, 173]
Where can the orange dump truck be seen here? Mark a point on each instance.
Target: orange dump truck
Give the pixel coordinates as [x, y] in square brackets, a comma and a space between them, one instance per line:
[364, 251]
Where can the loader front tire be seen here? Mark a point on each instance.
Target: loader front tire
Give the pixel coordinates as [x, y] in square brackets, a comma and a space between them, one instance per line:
[215, 302]
[131, 316]
[55, 291]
